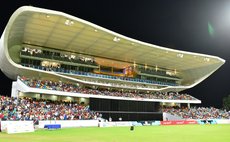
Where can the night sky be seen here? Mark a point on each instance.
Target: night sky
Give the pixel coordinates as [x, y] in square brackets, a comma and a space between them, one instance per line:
[195, 25]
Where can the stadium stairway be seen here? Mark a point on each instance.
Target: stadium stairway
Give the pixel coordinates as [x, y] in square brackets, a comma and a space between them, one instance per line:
[168, 116]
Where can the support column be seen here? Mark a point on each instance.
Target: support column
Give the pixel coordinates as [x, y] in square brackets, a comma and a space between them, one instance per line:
[188, 105]
[14, 89]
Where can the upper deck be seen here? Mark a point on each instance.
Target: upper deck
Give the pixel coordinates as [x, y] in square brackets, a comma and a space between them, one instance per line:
[57, 31]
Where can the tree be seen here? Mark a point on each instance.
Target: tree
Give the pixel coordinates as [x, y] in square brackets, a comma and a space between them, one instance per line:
[226, 103]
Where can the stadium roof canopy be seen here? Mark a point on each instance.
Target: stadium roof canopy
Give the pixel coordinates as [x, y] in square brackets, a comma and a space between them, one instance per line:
[57, 30]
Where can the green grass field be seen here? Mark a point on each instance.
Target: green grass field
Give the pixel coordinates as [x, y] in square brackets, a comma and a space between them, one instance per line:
[181, 133]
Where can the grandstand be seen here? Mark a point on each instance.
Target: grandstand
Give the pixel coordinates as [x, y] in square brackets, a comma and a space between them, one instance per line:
[55, 56]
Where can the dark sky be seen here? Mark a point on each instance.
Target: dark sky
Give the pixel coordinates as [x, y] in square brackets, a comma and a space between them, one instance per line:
[177, 24]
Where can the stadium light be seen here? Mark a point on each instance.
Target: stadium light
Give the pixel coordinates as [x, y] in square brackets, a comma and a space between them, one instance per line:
[116, 39]
[156, 68]
[206, 59]
[68, 22]
[180, 55]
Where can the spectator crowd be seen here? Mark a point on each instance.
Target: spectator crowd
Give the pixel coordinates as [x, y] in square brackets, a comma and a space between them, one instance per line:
[32, 109]
[69, 87]
[198, 112]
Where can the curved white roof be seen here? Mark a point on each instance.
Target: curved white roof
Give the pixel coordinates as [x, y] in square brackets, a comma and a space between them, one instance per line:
[56, 30]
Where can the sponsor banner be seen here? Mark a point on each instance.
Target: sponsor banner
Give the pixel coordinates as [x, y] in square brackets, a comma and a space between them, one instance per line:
[206, 121]
[107, 124]
[178, 122]
[70, 123]
[124, 123]
[17, 126]
[156, 123]
[135, 123]
[119, 124]
[223, 121]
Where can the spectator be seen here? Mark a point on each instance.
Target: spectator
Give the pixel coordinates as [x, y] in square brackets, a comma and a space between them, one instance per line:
[30, 109]
[68, 87]
[197, 113]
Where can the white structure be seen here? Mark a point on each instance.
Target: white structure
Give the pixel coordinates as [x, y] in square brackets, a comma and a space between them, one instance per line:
[48, 31]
